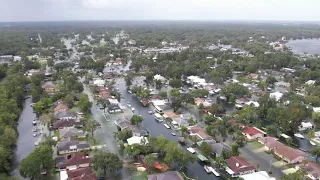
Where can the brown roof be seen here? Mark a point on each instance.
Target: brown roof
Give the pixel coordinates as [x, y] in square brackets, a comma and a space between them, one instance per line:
[84, 177]
[233, 122]
[311, 168]
[237, 164]
[251, 131]
[270, 142]
[172, 115]
[60, 106]
[197, 130]
[74, 159]
[48, 85]
[79, 172]
[170, 175]
[288, 152]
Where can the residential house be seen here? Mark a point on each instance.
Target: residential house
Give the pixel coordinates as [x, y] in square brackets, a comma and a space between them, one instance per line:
[289, 154]
[158, 77]
[270, 143]
[312, 169]
[64, 114]
[99, 82]
[49, 87]
[81, 174]
[276, 95]
[73, 161]
[137, 140]
[169, 175]
[114, 108]
[124, 124]
[71, 132]
[242, 101]
[71, 145]
[17, 58]
[60, 107]
[252, 133]
[260, 175]
[237, 166]
[32, 72]
[253, 76]
[219, 148]
[199, 131]
[305, 126]
[65, 123]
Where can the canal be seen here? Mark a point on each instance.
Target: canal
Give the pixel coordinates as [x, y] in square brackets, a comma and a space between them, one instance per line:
[25, 142]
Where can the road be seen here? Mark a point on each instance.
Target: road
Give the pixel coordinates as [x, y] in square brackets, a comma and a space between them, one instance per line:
[156, 129]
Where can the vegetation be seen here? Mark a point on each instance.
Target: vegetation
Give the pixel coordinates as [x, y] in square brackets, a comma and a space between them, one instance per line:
[107, 162]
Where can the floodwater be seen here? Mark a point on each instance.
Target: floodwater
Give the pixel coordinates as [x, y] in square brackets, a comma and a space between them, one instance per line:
[25, 142]
[310, 46]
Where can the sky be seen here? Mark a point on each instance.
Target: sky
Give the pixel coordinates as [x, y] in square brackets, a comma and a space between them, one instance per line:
[61, 10]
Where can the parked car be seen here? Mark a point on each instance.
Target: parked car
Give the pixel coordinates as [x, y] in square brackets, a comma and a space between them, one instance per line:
[132, 109]
[150, 112]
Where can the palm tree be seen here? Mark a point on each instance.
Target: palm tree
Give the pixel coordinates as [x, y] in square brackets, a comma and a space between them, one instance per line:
[183, 130]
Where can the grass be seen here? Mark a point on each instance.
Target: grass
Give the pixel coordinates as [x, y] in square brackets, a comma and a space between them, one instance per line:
[143, 176]
[257, 144]
[57, 134]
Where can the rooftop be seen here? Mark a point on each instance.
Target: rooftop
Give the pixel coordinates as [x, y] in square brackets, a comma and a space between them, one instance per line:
[237, 164]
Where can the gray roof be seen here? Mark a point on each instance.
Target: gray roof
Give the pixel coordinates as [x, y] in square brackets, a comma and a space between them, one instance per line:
[69, 132]
[63, 114]
[67, 142]
[218, 148]
[170, 175]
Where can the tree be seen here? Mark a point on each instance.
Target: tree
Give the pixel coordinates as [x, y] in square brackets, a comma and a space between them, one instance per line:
[124, 135]
[136, 120]
[163, 94]
[183, 130]
[235, 149]
[299, 175]
[50, 62]
[262, 85]
[176, 104]
[220, 162]
[289, 141]
[150, 159]
[316, 152]
[40, 158]
[194, 139]
[69, 99]
[108, 162]
[205, 149]
[176, 157]
[271, 130]
[91, 126]
[175, 92]
[84, 103]
[187, 98]
[128, 80]
[175, 83]
[271, 80]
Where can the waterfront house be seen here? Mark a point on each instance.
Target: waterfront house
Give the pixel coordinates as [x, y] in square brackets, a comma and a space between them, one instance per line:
[199, 132]
[312, 169]
[252, 133]
[64, 114]
[289, 154]
[60, 107]
[169, 175]
[124, 124]
[71, 132]
[73, 161]
[260, 175]
[114, 108]
[305, 126]
[49, 87]
[237, 166]
[81, 174]
[218, 149]
[71, 145]
[269, 143]
[65, 123]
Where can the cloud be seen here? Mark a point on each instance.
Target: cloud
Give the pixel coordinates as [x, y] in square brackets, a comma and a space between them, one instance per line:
[41, 10]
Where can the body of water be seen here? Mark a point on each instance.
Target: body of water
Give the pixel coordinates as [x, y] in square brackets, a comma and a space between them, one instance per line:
[310, 46]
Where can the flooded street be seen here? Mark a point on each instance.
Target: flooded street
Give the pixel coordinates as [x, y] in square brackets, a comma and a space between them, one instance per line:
[25, 142]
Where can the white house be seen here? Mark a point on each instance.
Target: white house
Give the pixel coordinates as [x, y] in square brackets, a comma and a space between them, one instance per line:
[316, 109]
[159, 78]
[196, 80]
[137, 140]
[310, 82]
[276, 95]
[17, 58]
[99, 82]
[260, 175]
[305, 126]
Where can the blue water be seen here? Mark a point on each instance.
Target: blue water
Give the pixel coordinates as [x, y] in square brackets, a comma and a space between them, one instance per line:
[310, 46]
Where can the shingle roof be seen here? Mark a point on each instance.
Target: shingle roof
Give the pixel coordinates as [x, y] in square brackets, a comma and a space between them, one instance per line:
[288, 152]
[170, 175]
[237, 164]
[199, 131]
[251, 131]
[74, 159]
[67, 142]
[218, 148]
[311, 168]
[79, 172]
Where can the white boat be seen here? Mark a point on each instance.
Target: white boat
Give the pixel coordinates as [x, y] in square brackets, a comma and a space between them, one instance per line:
[173, 134]
[238, 106]
[312, 143]
[206, 168]
[36, 143]
[191, 150]
[214, 171]
[298, 136]
[167, 126]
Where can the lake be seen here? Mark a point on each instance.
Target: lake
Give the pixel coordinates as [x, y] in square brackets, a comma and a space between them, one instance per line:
[310, 46]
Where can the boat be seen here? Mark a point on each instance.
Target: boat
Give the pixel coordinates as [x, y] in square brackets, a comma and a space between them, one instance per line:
[34, 122]
[173, 134]
[213, 171]
[36, 143]
[191, 150]
[298, 136]
[167, 126]
[206, 168]
[238, 106]
[312, 143]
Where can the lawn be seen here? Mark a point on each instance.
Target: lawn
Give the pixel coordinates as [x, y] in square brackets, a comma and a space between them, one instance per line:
[143, 176]
[256, 144]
